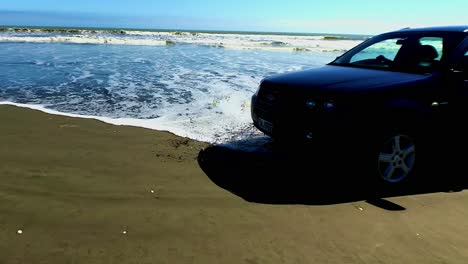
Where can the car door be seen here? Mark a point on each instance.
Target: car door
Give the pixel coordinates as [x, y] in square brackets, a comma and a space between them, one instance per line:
[461, 68]
[459, 82]
[455, 108]
[450, 109]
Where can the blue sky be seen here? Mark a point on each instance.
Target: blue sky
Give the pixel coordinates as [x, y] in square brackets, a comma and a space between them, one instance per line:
[330, 16]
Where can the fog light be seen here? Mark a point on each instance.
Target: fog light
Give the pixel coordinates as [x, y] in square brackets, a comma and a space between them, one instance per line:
[309, 136]
[310, 104]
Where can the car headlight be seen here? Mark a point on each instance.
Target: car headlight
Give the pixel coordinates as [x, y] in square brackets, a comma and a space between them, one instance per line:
[310, 104]
[329, 105]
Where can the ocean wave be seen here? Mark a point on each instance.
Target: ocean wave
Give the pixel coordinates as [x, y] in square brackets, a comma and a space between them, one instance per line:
[289, 43]
[83, 40]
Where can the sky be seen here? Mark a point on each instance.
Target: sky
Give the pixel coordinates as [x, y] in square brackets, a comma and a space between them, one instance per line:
[308, 16]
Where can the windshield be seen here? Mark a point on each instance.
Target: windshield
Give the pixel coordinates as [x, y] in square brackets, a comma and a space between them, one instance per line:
[413, 53]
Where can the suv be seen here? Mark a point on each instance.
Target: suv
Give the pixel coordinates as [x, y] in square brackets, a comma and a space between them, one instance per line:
[385, 100]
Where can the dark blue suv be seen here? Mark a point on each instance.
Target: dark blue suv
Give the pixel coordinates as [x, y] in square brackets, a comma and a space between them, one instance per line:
[388, 100]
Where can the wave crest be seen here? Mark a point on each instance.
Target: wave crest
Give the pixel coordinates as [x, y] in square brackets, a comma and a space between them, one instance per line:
[289, 43]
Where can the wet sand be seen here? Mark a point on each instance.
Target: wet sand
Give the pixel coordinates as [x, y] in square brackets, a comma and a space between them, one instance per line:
[82, 191]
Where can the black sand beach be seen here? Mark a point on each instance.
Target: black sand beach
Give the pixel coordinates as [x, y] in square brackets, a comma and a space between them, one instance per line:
[82, 191]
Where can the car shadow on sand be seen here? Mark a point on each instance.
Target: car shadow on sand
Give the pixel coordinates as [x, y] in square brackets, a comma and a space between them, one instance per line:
[272, 174]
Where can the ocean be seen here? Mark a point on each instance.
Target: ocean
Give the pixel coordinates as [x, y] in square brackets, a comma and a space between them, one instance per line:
[193, 84]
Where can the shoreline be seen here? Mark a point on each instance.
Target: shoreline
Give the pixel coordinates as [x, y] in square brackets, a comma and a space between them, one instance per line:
[131, 122]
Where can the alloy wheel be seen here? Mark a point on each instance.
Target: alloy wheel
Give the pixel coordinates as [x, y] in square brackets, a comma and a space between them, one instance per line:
[397, 158]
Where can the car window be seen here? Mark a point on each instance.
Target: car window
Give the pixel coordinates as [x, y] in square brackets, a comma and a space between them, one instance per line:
[412, 53]
[436, 43]
[386, 49]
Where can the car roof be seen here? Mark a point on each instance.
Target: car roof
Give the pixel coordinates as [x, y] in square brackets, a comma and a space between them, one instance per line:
[460, 29]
